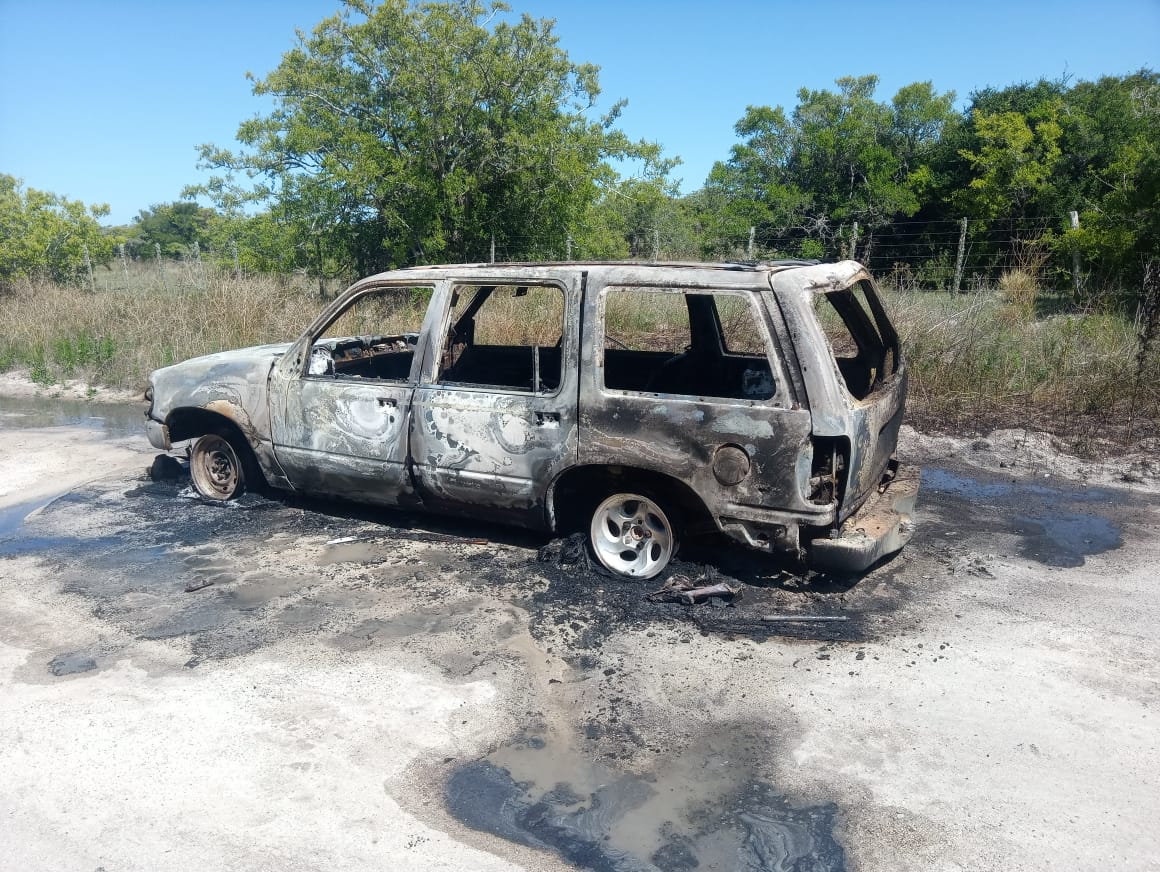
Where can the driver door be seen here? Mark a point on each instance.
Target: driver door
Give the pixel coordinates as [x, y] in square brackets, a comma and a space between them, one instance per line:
[340, 407]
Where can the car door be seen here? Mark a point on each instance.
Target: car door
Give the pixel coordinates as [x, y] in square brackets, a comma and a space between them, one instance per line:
[688, 383]
[340, 403]
[495, 418]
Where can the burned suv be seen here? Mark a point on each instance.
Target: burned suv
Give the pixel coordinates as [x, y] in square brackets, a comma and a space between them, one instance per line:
[635, 402]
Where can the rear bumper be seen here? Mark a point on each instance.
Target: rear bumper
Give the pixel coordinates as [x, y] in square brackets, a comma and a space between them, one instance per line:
[883, 524]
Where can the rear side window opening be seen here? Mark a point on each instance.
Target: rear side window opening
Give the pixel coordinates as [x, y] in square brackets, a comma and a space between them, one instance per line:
[504, 337]
[690, 343]
[861, 337]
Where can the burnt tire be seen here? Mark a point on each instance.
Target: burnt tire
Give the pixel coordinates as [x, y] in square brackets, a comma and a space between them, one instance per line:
[219, 467]
[633, 535]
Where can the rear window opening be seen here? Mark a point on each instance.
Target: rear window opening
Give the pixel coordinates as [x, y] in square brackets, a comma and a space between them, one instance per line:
[861, 337]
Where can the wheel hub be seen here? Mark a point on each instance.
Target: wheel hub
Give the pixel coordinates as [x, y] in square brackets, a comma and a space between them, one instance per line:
[634, 534]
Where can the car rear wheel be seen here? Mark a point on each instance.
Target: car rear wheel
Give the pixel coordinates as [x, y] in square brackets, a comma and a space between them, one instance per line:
[216, 468]
[632, 535]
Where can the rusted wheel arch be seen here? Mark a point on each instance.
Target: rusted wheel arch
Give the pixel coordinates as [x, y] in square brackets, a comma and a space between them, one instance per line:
[578, 490]
[192, 423]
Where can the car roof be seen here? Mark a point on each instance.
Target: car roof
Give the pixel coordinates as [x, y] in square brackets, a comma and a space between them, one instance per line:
[738, 273]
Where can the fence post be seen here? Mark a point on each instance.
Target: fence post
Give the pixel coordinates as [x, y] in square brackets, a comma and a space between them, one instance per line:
[959, 257]
[854, 240]
[198, 271]
[124, 264]
[569, 247]
[157, 257]
[1075, 283]
[752, 234]
[656, 244]
[492, 249]
[237, 262]
[89, 269]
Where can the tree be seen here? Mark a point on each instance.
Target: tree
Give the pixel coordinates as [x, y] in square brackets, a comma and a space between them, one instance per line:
[1014, 162]
[840, 156]
[408, 133]
[45, 235]
[175, 227]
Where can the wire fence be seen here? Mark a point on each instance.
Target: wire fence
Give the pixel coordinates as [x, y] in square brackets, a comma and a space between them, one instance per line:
[911, 255]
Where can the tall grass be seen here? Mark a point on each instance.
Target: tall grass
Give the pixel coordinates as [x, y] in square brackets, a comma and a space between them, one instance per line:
[116, 337]
[987, 360]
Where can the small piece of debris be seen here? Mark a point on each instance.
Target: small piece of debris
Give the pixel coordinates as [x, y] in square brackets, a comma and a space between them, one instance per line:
[775, 618]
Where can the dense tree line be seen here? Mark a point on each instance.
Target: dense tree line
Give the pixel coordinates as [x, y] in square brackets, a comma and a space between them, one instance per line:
[405, 134]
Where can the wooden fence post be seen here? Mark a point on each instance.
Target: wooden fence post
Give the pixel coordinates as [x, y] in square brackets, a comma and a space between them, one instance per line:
[959, 257]
[752, 235]
[124, 263]
[89, 269]
[854, 241]
[1075, 277]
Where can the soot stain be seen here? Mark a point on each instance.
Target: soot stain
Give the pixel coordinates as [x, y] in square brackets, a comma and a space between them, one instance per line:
[138, 576]
[589, 605]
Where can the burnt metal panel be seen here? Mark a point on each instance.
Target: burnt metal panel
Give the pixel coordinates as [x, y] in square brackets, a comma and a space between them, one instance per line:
[870, 424]
[496, 449]
[683, 436]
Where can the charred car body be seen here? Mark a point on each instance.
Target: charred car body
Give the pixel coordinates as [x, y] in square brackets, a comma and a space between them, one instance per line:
[633, 401]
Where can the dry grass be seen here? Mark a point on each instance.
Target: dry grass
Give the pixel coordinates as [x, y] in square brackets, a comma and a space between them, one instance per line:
[116, 337]
[979, 362]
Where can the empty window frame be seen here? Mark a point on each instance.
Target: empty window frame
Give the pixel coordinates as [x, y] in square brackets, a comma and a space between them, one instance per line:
[507, 337]
[693, 343]
[860, 335]
[374, 337]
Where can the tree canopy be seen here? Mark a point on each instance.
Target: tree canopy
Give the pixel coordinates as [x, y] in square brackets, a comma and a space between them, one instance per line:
[408, 133]
[839, 156]
[47, 235]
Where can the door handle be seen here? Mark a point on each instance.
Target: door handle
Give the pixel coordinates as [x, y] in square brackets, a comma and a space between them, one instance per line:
[389, 402]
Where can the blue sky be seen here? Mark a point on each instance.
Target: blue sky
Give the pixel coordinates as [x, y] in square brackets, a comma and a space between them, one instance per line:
[107, 101]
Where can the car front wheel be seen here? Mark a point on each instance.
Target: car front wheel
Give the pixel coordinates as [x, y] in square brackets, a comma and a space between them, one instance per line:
[216, 468]
[632, 535]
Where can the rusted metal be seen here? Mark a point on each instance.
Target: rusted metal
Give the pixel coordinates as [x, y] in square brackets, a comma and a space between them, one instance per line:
[774, 446]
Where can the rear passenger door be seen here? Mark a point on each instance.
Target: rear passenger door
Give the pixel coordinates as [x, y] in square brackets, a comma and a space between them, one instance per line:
[689, 383]
[494, 421]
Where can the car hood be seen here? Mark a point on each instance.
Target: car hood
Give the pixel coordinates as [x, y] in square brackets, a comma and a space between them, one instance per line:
[232, 382]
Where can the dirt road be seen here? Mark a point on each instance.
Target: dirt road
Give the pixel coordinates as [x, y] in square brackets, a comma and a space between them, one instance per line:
[294, 685]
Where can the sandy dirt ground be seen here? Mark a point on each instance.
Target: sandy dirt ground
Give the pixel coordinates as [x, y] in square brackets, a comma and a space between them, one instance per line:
[286, 684]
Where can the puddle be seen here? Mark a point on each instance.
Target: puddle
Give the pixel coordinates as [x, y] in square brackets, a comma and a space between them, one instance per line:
[428, 621]
[115, 420]
[12, 517]
[699, 809]
[936, 479]
[378, 550]
[1064, 540]
[71, 664]
[1057, 525]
